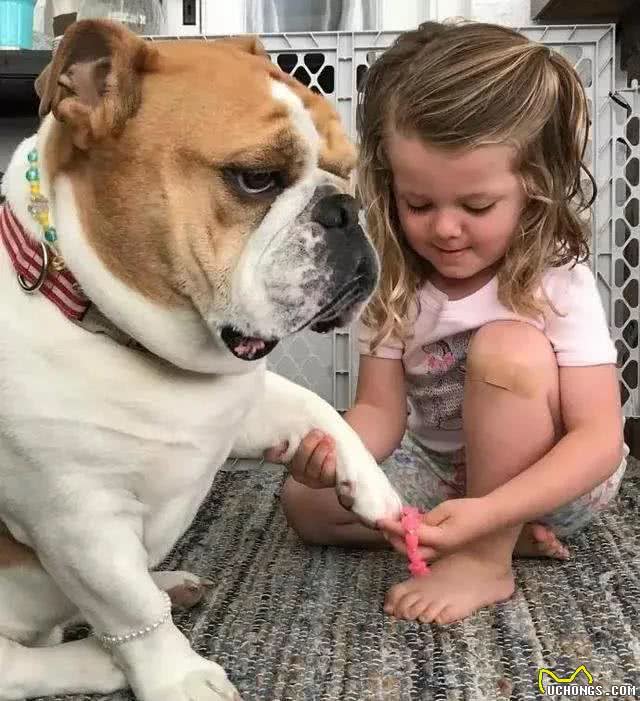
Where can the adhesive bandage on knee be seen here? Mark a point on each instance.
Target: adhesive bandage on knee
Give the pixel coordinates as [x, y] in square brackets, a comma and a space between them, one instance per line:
[500, 371]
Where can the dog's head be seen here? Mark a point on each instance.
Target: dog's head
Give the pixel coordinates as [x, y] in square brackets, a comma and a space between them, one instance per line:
[208, 182]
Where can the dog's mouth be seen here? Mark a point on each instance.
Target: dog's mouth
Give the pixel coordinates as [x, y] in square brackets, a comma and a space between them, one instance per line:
[333, 315]
[336, 313]
[246, 347]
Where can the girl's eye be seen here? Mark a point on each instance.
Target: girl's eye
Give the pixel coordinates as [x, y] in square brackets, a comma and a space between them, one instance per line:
[419, 208]
[479, 210]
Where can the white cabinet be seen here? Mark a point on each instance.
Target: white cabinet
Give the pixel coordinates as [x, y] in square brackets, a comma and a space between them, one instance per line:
[204, 18]
[218, 17]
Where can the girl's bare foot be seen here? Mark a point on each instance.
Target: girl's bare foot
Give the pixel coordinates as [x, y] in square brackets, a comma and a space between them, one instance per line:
[537, 540]
[458, 585]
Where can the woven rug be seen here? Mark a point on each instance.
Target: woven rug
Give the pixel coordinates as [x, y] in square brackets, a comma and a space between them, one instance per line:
[296, 623]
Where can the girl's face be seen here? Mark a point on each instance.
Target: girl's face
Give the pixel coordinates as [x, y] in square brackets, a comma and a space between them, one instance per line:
[459, 209]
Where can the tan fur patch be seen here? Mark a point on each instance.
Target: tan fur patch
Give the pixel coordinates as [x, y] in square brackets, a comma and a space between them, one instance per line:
[338, 154]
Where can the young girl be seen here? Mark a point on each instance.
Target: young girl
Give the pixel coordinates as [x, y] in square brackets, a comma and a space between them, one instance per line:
[486, 346]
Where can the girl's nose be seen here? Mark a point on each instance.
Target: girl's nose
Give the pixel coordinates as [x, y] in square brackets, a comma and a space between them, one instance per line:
[447, 225]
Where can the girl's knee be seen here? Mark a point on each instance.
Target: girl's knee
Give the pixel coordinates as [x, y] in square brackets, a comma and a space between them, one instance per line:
[516, 340]
[514, 356]
[293, 498]
[300, 506]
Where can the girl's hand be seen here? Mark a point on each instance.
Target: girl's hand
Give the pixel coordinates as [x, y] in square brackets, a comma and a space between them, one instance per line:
[447, 528]
[313, 464]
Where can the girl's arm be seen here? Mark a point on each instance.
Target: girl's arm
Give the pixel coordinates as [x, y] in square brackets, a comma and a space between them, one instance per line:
[379, 414]
[589, 452]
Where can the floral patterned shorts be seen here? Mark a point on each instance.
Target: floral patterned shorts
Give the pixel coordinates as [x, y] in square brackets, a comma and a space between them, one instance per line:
[425, 478]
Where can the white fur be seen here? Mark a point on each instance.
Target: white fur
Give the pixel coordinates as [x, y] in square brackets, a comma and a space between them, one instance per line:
[106, 455]
[250, 299]
[300, 119]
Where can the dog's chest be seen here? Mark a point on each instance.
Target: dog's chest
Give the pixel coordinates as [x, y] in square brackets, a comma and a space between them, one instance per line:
[88, 406]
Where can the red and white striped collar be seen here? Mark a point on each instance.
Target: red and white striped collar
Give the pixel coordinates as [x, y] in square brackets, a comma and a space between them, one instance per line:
[59, 286]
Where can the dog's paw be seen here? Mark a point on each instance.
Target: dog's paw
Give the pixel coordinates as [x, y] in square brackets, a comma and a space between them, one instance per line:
[162, 666]
[103, 675]
[369, 495]
[207, 682]
[185, 589]
[78, 667]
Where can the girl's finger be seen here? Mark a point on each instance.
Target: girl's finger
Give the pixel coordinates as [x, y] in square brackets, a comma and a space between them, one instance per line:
[275, 453]
[390, 526]
[302, 455]
[327, 475]
[429, 554]
[436, 516]
[431, 536]
[397, 543]
[320, 453]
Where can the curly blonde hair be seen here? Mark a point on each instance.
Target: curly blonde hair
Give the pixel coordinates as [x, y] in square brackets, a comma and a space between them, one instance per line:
[461, 86]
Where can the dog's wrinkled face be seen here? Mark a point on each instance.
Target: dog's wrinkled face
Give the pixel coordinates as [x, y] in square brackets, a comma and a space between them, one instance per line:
[208, 180]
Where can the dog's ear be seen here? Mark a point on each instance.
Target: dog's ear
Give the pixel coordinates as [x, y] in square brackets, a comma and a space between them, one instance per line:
[41, 83]
[247, 43]
[338, 153]
[93, 83]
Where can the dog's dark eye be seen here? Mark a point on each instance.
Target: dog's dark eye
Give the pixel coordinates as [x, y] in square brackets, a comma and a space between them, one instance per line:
[256, 182]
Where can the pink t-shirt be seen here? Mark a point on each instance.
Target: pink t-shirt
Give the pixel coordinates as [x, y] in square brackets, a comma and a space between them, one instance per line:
[435, 354]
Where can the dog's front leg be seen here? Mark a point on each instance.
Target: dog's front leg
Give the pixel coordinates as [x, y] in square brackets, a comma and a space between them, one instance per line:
[287, 412]
[91, 544]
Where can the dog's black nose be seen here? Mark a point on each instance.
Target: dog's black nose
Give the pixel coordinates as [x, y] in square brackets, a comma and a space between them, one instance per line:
[336, 212]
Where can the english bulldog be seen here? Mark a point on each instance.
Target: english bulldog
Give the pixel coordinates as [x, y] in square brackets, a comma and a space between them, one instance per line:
[180, 210]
